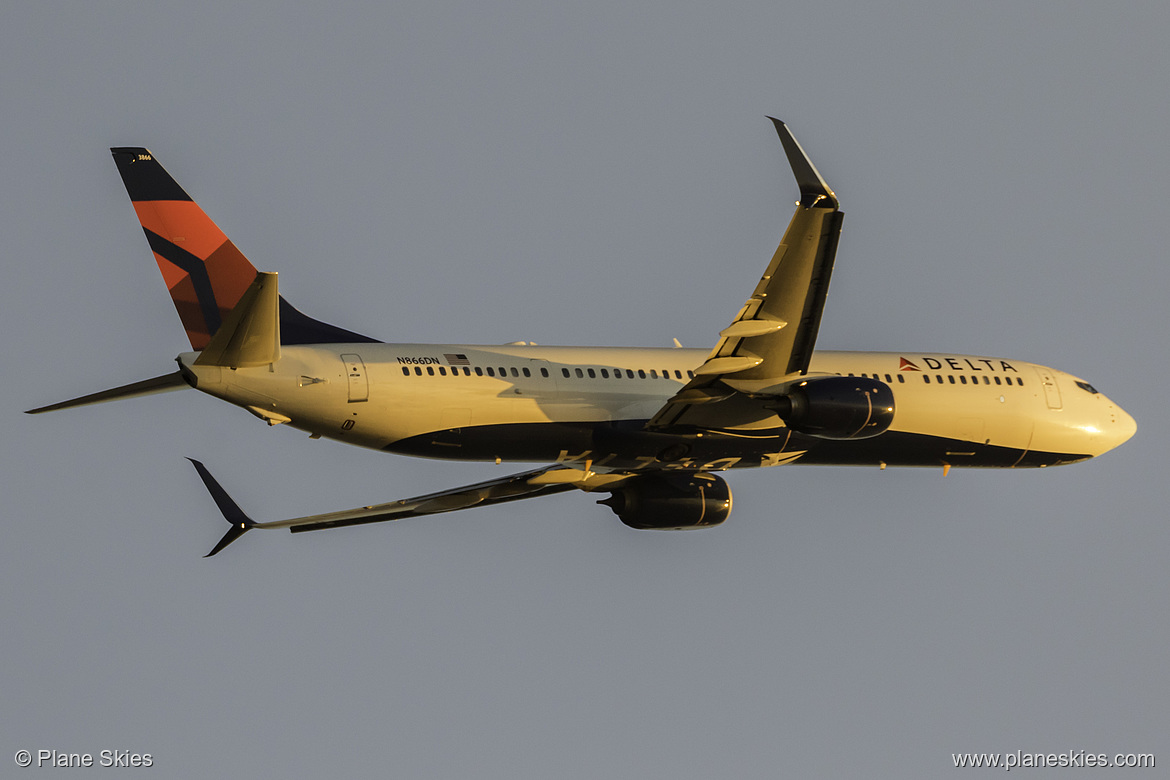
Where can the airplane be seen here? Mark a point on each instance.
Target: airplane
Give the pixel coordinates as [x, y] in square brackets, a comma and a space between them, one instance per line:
[650, 428]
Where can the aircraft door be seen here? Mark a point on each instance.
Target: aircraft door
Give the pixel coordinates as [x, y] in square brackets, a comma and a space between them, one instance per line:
[1051, 390]
[355, 371]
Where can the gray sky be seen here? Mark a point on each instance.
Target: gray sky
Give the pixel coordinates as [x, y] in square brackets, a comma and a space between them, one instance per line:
[597, 173]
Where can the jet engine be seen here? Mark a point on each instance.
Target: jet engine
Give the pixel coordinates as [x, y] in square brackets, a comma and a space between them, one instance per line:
[671, 502]
[838, 407]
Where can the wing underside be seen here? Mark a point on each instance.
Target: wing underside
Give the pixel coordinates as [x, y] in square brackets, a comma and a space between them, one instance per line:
[544, 481]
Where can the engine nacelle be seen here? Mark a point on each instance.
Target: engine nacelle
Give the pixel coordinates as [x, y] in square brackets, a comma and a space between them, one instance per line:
[838, 407]
[671, 502]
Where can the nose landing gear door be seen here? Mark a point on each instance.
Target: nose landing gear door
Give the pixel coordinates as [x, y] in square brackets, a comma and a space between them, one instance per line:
[355, 371]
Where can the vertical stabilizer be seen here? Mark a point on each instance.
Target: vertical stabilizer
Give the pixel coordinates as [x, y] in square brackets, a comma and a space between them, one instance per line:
[204, 271]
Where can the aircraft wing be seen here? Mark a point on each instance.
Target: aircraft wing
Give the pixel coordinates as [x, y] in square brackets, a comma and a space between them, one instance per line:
[770, 341]
[528, 484]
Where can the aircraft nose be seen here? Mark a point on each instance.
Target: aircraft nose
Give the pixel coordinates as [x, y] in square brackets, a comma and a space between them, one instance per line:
[1115, 427]
[1123, 427]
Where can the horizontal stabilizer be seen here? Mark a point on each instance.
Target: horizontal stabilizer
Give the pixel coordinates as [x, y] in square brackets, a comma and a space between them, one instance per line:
[160, 384]
[250, 336]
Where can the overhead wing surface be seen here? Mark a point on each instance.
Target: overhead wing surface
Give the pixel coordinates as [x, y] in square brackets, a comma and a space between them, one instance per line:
[770, 342]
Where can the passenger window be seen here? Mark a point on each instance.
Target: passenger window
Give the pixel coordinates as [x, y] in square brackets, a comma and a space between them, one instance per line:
[466, 371]
[630, 373]
[491, 371]
[526, 371]
[544, 373]
[580, 374]
[938, 378]
[417, 371]
[565, 372]
[902, 378]
[591, 372]
[405, 371]
[951, 378]
[478, 371]
[925, 378]
[430, 371]
[691, 374]
[442, 371]
[604, 374]
[986, 381]
[1019, 381]
[963, 379]
[653, 374]
[677, 374]
[641, 374]
[997, 380]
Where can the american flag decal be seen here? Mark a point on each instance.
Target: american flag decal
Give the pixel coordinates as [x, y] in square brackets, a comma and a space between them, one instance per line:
[457, 360]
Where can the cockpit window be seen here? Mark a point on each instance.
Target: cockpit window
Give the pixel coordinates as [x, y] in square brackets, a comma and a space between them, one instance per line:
[1088, 388]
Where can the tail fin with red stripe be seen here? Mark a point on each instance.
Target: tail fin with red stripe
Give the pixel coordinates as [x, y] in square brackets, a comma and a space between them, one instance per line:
[204, 271]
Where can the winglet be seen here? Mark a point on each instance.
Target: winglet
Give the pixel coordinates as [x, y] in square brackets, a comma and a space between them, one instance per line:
[813, 189]
[240, 522]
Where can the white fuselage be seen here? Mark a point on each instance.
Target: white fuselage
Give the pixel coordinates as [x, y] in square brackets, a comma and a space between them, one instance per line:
[534, 403]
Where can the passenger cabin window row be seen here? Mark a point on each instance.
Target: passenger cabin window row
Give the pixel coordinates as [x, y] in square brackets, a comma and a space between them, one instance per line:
[987, 380]
[938, 379]
[878, 377]
[525, 371]
[629, 373]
